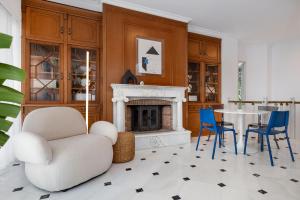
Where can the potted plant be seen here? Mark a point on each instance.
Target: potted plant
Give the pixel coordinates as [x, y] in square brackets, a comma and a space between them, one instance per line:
[10, 99]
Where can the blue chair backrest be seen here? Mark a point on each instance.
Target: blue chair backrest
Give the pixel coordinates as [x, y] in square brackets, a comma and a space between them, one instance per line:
[207, 116]
[278, 119]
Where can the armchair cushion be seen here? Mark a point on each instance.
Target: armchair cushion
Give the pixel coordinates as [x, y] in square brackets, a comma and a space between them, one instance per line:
[32, 148]
[106, 129]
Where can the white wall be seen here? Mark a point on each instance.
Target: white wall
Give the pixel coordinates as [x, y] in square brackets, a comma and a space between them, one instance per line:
[11, 24]
[256, 69]
[273, 71]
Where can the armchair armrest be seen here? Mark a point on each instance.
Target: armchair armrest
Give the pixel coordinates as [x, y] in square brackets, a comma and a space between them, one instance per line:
[106, 129]
[32, 148]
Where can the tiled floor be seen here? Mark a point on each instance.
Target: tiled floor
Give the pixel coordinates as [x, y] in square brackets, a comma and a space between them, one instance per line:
[179, 172]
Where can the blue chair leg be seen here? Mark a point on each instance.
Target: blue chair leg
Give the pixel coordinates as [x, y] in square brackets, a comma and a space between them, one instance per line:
[208, 137]
[290, 148]
[234, 138]
[200, 133]
[220, 139]
[223, 138]
[261, 142]
[270, 151]
[215, 143]
[246, 140]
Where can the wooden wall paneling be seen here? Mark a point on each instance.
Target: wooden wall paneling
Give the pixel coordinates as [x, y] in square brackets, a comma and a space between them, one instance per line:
[120, 27]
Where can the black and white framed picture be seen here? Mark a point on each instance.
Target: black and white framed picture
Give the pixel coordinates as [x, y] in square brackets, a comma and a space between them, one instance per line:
[149, 56]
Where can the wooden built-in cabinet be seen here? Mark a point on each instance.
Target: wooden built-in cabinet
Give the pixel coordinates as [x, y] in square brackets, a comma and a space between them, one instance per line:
[55, 41]
[204, 78]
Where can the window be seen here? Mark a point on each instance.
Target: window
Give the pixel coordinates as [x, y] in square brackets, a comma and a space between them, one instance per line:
[241, 81]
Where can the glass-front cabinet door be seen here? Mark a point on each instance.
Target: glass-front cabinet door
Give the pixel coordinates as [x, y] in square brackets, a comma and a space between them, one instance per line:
[211, 82]
[45, 74]
[78, 73]
[194, 81]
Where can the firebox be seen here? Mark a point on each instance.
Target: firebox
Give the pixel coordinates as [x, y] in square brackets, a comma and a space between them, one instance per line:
[146, 117]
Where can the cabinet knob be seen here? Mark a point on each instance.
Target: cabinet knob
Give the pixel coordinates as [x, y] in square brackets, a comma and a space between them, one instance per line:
[62, 29]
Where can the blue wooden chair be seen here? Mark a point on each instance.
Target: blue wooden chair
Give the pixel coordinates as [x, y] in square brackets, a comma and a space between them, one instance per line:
[208, 121]
[278, 119]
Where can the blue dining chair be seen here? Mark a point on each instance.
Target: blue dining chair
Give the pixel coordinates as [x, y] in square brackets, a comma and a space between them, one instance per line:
[208, 122]
[278, 119]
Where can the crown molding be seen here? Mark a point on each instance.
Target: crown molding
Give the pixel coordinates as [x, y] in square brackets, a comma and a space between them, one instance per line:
[86, 4]
[139, 8]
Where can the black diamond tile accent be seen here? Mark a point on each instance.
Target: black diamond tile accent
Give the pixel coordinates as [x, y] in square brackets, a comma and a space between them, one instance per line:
[262, 191]
[107, 183]
[224, 152]
[175, 154]
[176, 197]
[18, 189]
[253, 137]
[198, 157]
[167, 162]
[139, 190]
[186, 179]
[223, 170]
[248, 155]
[256, 175]
[128, 169]
[224, 160]
[294, 180]
[155, 173]
[153, 151]
[46, 196]
[275, 158]
[193, 166]
[201, 149]
[16, 164]
[295, 153]
[180, 147]
[143, 158]
[204, 144]
[252, 163]
[283, 167]
[221, 184]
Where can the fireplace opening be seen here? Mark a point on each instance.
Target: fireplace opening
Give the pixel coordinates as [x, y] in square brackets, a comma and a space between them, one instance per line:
[148, 115]
[146, 118]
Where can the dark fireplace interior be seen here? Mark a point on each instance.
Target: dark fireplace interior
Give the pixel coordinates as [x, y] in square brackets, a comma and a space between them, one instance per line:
[146, 117]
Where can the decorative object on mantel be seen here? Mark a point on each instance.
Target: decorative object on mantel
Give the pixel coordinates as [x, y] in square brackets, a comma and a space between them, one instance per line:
[129, 78]
[124, 149]
[150, 58]
[142, 83]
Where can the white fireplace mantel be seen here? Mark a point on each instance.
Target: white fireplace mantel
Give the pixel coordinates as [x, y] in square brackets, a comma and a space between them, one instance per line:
[123, 93]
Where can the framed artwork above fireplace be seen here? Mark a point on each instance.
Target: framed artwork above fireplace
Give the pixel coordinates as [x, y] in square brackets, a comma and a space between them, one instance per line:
[149, 56]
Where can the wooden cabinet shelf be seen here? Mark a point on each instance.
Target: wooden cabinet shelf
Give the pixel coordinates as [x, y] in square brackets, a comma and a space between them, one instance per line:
[55, 41]
[204, 77]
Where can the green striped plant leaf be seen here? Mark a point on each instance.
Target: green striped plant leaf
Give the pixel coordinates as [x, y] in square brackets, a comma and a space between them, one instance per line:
[10, 99]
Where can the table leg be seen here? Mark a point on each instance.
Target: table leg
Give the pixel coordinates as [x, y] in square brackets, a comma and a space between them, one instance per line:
[240, 143]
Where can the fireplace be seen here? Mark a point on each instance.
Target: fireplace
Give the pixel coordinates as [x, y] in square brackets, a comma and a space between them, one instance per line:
[153, 113]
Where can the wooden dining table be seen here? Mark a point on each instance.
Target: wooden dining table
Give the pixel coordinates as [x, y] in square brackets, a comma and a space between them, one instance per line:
[240, 114]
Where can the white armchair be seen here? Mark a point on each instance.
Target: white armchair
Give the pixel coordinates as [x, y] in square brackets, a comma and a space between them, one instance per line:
[57, 152]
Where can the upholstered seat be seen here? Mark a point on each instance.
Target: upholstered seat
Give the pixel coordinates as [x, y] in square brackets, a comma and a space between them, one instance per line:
[57, 152]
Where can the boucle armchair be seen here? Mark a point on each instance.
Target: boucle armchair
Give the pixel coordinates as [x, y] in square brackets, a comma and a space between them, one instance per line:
[57, 152]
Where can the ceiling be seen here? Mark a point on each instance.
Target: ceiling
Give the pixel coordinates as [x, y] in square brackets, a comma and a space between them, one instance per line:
[247, 20]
